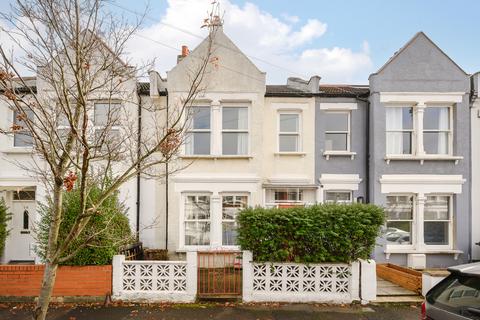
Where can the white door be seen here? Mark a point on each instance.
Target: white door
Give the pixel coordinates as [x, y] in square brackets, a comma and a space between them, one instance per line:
[21, 239]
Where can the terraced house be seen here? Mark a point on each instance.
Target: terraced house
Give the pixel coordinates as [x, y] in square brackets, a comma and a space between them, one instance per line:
[402, 142]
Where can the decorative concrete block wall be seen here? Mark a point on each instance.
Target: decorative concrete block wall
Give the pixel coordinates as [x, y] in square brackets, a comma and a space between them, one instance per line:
[296, 282]
[155, 281]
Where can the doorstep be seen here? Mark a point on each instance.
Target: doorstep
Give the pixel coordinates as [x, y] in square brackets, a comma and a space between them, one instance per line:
[389, 292]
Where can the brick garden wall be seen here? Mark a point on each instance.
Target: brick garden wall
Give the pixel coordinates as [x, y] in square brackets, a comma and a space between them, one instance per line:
[25, 280]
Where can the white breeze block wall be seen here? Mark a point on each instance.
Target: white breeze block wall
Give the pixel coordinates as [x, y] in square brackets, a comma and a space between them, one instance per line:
[296, 282]
[155, 281]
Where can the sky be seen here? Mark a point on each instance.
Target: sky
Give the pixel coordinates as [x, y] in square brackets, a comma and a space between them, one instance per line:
[342, 41]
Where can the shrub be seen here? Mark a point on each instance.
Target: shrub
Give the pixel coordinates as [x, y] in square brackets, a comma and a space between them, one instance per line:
[5, 216]
[107, 230]
[320, 233]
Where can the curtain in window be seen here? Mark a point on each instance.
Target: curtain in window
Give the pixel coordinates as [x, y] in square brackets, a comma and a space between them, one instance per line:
[189, 144]
[443, 124]
[393, 123]
[242, 144]
[242, 118]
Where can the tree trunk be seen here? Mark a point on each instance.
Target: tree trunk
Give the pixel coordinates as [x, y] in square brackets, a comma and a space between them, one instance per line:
[51, 263]
[49, 276]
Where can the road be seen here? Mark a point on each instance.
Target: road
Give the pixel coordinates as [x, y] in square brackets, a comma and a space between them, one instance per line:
[218, 311]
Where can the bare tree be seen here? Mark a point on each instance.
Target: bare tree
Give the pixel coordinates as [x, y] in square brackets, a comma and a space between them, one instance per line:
[82, 117]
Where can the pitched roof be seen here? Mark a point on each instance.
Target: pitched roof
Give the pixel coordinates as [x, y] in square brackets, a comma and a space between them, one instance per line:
[285, 91]
[406, 45]
[326, 90]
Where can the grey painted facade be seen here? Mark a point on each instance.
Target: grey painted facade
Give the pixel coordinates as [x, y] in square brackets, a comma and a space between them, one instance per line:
[344, 164]
[422, 67]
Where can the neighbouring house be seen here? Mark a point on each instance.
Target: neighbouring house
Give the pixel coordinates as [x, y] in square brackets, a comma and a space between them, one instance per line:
[475, 143]
[419, 164]
[22, 189]
[341, 143]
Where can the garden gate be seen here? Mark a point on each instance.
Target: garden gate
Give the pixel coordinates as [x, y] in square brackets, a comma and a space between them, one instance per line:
[219, 274]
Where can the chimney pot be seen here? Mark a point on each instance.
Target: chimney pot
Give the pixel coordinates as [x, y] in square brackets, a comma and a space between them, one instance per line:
[185, 51]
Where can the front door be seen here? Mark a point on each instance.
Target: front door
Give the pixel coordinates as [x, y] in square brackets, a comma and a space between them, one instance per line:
[20, 238]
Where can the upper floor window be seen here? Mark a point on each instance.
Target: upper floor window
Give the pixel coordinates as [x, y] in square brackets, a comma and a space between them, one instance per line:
[436, 130]
[337, 131]
[234, 130]
[419, 130]
[22, 137]
[399, 128]
[198, 138]
[289, 132]
[107, 121]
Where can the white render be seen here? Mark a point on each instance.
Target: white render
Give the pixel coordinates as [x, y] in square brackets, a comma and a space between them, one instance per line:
[155, 281]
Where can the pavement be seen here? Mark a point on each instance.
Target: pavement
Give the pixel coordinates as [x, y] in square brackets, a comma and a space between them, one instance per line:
[228, 311]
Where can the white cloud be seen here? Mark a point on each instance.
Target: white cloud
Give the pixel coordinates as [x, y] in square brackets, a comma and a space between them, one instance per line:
[282, 41]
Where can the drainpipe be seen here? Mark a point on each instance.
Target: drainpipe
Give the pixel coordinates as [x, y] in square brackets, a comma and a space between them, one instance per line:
[166, 185]
[367, 167]
[139, 141]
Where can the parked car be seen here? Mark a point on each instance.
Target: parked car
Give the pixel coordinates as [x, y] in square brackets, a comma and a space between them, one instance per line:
[455, 297]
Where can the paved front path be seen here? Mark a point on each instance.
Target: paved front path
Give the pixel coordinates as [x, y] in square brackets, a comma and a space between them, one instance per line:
[220, 311]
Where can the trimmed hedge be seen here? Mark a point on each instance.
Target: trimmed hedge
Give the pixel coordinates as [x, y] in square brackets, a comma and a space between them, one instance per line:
[320, 233]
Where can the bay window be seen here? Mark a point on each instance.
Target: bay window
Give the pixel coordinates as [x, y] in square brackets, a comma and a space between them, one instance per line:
[436, 130]
[197, 220]
[337, 131]
[400, 215]
[199, 135]
[289, 132]
[338, 196]
[231, 206]
[437, 220]
[288, 195]
[234, 130]
[399, 129]
[429, 214]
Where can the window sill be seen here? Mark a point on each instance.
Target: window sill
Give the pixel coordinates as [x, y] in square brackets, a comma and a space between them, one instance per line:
[423, 158]
[292, 154]
[328, 154]
[186, 249]
[18, 150]
[215, 157]
[456, 253]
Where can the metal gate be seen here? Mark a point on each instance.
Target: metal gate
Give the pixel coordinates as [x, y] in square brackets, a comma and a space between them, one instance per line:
[219, 274]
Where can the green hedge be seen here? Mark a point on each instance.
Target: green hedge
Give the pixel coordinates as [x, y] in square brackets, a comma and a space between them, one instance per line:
[320, 233]
[107, 231]
[5, 216]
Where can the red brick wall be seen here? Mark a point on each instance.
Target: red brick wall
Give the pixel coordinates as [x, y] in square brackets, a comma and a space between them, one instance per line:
[25, 280]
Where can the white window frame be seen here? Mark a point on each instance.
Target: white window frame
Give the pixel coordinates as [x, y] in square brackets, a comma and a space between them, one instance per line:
[222, 130]
[183, 221]
[450, 244]
[350, 192]
[14, 121]
[413, 131]
[192, 131]
[416, 132]
[297, 133]
[113, 128]
[449, 131]
[414, 220]
[348, 132]
[227, 194]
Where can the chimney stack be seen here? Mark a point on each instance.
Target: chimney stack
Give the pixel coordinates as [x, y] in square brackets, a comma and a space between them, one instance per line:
[185, 53]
